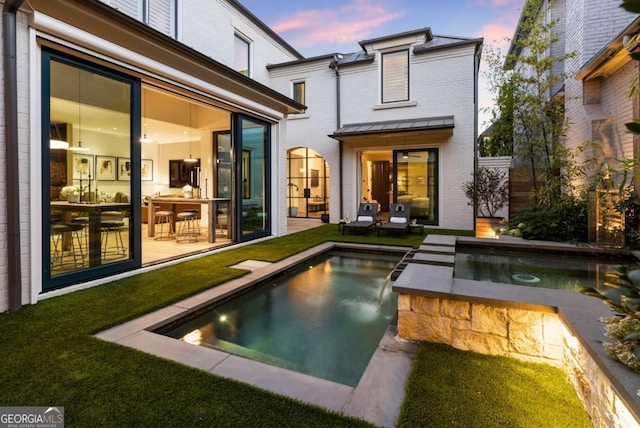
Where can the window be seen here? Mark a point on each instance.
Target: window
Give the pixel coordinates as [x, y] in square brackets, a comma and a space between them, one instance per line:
[157, 14]
[299, 92]
[395, 76]
[242, 51]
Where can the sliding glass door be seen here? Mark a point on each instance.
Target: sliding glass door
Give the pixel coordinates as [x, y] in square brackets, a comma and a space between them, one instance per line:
[89, 176]
[416, 173]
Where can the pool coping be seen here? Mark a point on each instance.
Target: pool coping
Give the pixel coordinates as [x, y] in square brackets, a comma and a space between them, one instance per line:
[377, 397]
[579, 313]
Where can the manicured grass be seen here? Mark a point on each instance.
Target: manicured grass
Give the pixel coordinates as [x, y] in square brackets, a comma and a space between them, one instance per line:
[452, 388]
[49, 357]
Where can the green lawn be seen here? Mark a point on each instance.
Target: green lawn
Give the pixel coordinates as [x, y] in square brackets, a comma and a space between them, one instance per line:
[50, 357]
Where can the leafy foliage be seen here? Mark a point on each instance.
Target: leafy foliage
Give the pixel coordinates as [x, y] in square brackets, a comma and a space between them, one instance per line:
[622, 294]
[489, 191]
[523, 81]
[565, 220]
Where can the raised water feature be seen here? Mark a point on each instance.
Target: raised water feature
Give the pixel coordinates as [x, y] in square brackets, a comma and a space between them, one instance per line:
[325, 318]
[560, 270]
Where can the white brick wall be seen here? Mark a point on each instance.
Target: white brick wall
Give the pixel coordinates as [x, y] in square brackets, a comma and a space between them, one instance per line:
[209, 26]
[442, 83]
[24, 168]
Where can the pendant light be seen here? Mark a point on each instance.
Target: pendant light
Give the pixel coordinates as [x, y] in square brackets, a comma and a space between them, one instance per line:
[58, 142]
[190, 159]
[79, 147]
[144, 138]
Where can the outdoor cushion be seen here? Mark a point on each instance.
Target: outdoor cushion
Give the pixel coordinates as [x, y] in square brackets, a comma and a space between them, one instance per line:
[365, 218]
[397, 220]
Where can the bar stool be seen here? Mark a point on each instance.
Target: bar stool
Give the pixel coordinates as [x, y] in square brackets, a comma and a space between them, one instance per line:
[57, 239]
[164, 218]
[196, 212]
[112, 227]
[187, 228]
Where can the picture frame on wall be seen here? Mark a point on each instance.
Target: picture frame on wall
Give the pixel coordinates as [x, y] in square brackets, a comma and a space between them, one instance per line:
[82, 167]
[146, 170]
[315, 178]
[105, 168]
[124, 169]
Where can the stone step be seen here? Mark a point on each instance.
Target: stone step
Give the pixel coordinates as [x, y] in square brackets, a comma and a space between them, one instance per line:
[437, 249]
[433, 259]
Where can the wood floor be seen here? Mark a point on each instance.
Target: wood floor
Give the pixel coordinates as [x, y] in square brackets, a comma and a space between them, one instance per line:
[155, 251]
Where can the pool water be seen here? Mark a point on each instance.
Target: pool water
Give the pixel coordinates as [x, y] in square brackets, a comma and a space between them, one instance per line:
[324, 318]
[534, 269]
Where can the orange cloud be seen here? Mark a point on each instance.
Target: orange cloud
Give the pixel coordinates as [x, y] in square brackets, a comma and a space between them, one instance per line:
[496, 34]
[354, 21]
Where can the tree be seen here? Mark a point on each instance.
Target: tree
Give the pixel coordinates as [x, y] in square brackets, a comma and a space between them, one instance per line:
[488, 191]
[535, 109]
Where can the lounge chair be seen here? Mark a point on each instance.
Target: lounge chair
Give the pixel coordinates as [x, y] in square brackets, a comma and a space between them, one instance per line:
[367, 217]
[399, 217]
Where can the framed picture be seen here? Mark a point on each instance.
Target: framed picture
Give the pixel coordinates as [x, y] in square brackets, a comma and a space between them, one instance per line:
[82, 166]
[315, 178]
[124, 169]
[146, 170]
[105, 168]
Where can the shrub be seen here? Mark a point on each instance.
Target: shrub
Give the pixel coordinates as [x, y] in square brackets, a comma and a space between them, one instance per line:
[622, 294]
[565, 220]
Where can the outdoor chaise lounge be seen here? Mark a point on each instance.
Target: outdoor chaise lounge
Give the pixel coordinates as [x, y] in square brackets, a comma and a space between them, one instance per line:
[399, 218]
[367, 217]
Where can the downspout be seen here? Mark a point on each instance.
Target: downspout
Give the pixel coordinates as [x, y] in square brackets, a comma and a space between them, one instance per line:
[334, 65]
[10, 64]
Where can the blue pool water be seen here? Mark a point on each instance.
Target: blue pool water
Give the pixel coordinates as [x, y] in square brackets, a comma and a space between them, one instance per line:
[534, 269]
[324, 318]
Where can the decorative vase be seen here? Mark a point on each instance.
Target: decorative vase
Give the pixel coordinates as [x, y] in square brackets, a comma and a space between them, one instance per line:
[73, 198]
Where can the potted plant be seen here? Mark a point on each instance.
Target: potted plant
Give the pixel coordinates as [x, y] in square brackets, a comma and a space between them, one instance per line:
[293, 210]
[488, 192]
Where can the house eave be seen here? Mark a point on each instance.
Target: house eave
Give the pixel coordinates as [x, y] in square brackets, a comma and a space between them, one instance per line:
[94, 17]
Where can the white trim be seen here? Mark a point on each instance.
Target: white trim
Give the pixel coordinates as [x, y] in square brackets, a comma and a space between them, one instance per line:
[399, 104]
[35, 170]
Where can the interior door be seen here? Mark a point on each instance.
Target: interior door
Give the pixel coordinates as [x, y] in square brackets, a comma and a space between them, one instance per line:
[380, 183]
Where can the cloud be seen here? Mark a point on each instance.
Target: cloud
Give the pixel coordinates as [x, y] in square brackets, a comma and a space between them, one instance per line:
[496, 33]
[355, 20]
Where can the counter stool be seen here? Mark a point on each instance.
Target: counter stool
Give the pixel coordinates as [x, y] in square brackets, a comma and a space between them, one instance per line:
[188, 230]
[57, 240]
[112, 228]
[164, 218]
[84, 222]
[196, 212]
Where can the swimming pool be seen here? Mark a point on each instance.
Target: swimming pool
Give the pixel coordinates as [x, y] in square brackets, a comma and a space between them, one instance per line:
[324, 318]
[548, 269]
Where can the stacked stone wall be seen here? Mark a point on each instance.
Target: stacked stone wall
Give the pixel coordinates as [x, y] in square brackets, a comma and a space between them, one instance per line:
[528, 335]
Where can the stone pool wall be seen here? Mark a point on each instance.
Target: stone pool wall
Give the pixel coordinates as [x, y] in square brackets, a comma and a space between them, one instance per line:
[510, 332]
[539, 337]
[553, 327]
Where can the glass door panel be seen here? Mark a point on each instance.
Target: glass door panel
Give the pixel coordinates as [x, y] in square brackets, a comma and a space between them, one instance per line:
[252, 178]
[415, 173]
[88, 173]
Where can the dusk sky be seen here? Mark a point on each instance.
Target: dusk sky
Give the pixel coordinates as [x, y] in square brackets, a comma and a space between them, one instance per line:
[317, 28]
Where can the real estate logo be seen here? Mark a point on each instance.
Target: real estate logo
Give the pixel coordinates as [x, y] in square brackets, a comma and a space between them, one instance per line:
[31, 417]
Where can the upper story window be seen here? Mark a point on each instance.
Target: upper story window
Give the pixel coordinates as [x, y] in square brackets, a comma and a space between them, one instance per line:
[157, 14]
[395, 76]
[242, 51]
[299, 92]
